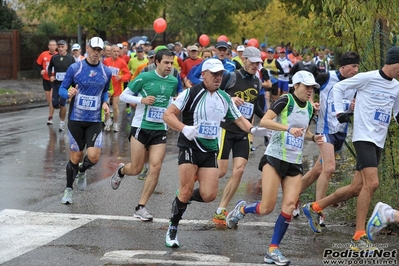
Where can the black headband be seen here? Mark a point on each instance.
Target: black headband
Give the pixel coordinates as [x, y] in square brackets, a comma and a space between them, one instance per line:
[349, 61]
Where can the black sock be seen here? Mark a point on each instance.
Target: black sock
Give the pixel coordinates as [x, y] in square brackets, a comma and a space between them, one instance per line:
[120, 172]
[71, 172]
[196, 196]
[139, 206]
[178, 209]
[87, 164]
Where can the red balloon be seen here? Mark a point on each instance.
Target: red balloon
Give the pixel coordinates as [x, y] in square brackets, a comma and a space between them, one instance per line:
[204, 40]
[160, 25]
[253, 42]
[223, 38]
[263, 55]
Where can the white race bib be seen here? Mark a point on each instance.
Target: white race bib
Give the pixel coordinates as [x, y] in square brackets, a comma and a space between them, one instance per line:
[208, 130]
[155, 114]
[293, 143]
[381, 117]
[60, 76]
[246, 109]
[114, 70]
[86, 102]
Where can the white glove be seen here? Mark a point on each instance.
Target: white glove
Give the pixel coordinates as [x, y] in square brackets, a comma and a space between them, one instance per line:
[261, 132]
[190, 132]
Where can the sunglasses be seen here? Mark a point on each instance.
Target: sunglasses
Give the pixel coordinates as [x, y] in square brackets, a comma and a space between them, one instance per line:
[217, 74]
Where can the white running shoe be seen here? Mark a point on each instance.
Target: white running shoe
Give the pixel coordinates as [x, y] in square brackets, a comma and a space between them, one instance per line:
[297, 210]
[62, 126]
[171, 237]
[235, 215]
[377, 220]
[81, 181]
[115, 178]
[67, 198]
[108, 125]
[143, 214]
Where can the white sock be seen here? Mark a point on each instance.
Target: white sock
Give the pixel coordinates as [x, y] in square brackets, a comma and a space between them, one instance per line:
[220, 210]
[389, 213]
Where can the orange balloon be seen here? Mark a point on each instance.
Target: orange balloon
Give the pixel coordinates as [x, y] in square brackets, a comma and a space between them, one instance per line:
[263, 55]
[223, 38]
[204, 40]
[253, 42]
[160, 25]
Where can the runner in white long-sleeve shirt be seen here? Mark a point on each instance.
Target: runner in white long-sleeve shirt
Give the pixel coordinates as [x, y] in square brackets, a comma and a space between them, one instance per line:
[377, 95]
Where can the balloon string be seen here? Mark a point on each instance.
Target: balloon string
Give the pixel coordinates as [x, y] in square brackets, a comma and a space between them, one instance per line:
[154, 38]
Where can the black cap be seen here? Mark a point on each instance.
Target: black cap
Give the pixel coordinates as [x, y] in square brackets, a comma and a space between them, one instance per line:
[62, 42]
[222, 44]
[139, 49]
[147, 43]
[151, 53]
[392, 56]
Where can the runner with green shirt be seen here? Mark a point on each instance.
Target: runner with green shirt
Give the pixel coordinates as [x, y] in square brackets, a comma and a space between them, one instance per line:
[154, 91]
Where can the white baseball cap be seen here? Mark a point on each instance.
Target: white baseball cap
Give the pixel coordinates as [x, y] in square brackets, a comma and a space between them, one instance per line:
[306, 78]
[76, 46]
[214, 65]
[96, 42]
[240, 48]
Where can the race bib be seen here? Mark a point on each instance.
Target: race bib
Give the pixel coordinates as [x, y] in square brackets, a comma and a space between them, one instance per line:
[86, 102]
[246, 109]
[345, 104]
[114, 70]
[155, 114]
[60, 76]
[382, 117]
[208, 130]
[293, 143]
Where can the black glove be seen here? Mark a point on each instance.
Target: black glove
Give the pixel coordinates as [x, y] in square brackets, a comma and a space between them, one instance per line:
[273, 72]
[343, 118]
[285, 74]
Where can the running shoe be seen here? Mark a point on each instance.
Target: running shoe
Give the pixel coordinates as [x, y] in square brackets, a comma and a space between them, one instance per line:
[67, 198]
[377, 220]
[115, 127]
[143, 214]
[108, 125]
[171, 237]
[321, 220]
[81, 181]
[297, 210]
[143, 174]
[220, 218]
[276, 257]
[313, 218]
[235, 215]
[115, 178]
[50, 121]
[363, 244]
[62, 126]
[128, 111]
[253, 147]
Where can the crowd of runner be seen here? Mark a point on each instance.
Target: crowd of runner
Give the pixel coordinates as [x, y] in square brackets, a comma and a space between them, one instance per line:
[211, 95]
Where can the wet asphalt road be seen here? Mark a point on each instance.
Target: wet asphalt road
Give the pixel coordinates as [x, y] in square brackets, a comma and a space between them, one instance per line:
[98, 229]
